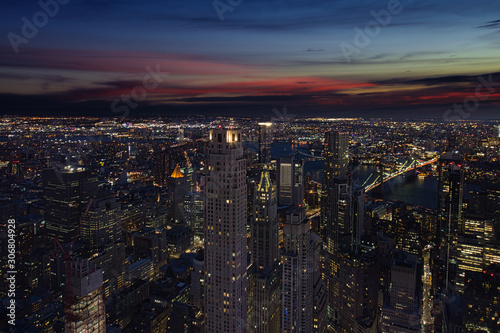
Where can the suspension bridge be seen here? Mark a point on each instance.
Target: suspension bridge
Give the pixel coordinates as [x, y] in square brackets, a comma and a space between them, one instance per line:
[377, 178]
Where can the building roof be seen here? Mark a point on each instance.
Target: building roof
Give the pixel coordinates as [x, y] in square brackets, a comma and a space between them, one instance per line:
[177, 172]
[265, 184]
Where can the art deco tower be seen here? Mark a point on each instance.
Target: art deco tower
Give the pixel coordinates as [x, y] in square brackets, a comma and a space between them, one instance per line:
[225, 234]
[265, 312]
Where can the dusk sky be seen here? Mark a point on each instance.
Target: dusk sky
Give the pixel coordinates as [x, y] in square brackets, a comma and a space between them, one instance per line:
[261, 55]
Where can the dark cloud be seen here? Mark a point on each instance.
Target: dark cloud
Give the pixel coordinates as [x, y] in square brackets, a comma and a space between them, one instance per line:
[491, 25]
[443, 80]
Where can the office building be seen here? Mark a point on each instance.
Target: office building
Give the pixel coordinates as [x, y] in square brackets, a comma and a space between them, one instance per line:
[290, 176]
[264, 253]
[177, 190]
[401, 311]
[265, 140]
[450, 219]
[102, 223]
[66, 194]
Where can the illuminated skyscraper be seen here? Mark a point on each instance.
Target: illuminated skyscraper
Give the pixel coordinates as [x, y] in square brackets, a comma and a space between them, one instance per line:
[335, 190]
[266, 289]
[336, 154]
[351, 295]
[265, 140]
[225, 234]
[450, 219]
[290, 176]
[297, 258]
[401, 307]
[86, 314]
[177, 190]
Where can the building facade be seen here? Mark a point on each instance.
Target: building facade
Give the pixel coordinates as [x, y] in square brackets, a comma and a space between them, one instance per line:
[225, 234]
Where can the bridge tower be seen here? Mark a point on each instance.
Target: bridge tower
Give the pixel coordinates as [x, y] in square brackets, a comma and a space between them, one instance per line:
[378, 192]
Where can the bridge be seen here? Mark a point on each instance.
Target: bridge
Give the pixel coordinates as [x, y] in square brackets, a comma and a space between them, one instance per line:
[409, 165]
[375, 180]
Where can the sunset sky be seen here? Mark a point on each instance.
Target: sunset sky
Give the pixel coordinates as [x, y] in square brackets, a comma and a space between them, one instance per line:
[262, 55]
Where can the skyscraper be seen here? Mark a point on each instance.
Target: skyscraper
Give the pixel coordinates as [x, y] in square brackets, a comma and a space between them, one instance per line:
[225, 233]
[336, 154]
[297, 257]
[290, 176]
[353, 292]
[86, 313]
[351, 295]
[102, 223]
[266, 289]
[177, 190]
[401, 311]
[265, 224]
[265, 140]
[66, 194]
[450, 219]
[161, 165]
[335, 184]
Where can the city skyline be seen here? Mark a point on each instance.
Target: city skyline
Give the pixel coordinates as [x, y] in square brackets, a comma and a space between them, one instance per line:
[231, 225]
[401, 59]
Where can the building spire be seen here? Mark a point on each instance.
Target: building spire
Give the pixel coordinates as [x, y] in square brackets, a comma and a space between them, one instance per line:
[265, 184]
[177, 172]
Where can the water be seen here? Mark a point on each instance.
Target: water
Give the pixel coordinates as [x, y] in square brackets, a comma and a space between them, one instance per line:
[414, 191]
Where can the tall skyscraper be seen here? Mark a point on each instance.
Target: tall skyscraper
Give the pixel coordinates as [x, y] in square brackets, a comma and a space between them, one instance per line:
[290, 175]
[225, 233]
[193, 214]
[450, 219]
[102, 224]
[66, 194]
[161, 165]
[336, 154]
[177, 190]
[265, 140]
[266, 289]
[351, 295]
[265, 224]
[86, 313]
[401, 311]
[297, 257]
[320, 296]
[335, 184]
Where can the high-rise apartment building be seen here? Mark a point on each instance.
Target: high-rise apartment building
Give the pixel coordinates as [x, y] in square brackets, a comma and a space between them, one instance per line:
[225, 233]
[297, 258]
